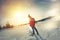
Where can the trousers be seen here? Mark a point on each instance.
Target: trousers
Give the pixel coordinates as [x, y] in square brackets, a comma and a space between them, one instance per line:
[34, 28]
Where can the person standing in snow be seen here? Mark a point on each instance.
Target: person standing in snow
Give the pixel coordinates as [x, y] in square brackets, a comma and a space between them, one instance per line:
[32, 25]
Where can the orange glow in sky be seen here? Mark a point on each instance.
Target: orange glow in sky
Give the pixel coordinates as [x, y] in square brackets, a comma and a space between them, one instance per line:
[16, 13]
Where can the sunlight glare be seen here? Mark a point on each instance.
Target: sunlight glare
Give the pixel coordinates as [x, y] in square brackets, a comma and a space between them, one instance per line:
[17, 15]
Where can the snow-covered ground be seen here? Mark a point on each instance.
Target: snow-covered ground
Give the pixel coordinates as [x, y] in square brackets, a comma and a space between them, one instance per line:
[23, 32]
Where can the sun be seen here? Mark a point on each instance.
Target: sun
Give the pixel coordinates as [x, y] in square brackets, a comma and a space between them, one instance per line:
[18, 15]
[19, 18]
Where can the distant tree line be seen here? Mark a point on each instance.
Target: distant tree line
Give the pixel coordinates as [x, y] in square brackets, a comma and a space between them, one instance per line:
[7, 25]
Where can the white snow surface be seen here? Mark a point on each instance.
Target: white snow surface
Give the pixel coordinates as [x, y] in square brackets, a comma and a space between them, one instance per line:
[24, 32]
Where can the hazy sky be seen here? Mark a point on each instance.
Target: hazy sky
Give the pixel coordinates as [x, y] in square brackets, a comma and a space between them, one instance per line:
[36, 8]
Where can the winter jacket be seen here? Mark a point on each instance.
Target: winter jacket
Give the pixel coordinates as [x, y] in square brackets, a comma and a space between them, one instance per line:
[32, 22]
